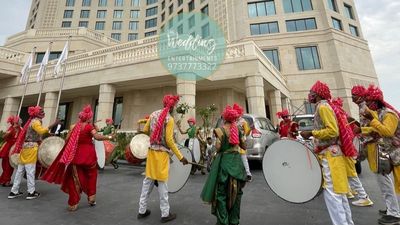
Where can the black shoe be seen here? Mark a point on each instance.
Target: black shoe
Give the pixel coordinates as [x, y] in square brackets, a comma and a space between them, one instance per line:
[170, 217]
[144, 215]
[13, 195]
[389, 220]
[33, 195]
[382, 212]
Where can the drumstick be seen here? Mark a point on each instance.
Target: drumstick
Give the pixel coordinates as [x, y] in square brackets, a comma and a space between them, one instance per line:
[196, 164]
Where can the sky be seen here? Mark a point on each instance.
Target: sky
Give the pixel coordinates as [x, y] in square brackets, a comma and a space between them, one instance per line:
[380, 22]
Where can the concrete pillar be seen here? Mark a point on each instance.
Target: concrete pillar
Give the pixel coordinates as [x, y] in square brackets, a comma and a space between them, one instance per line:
[275, 104]
[78, 105]
[187, 90]
[255, 95]
[10, 108]
[285, 104]
[50, 104]
[106, 103]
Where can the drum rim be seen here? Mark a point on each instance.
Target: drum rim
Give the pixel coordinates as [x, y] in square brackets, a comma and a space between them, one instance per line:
[130, 143]
[184, 184]
[39, 155]
[101, 167]
[298, 203]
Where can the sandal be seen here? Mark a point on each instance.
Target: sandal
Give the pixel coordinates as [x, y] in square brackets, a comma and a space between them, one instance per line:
[72, 208]
[92, 200]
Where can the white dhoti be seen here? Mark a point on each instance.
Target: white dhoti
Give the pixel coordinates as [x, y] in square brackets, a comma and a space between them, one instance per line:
[385, 183]
[356, 185]
[30, 177]
[148, 185]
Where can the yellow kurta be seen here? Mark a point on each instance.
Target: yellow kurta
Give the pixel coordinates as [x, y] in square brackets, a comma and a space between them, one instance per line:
[29, 155]
[337, 164]
[371, 147]
[386, 128]
[157, 164]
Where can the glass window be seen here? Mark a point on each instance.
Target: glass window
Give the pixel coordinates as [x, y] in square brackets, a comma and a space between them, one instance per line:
[163, 17]
[337, 24]
[205, 31]
[151, 23]
[100, 25]
[263, 8]
[171, 8]
[134, 14]
[116, 36]
[163, 5]
[291, 6]
[133, 25]
[307, 58]
[53, 55]
[151, 33]
[151, 11]
[204, 12]
[83, 24]
[70, 3]
[66, 24]
[102, 2]
[354, 30]
[264, 28]
[192, 21]
[132, 36]
[117, 25]
[301, 24]
[135, 3]
[119, 3]
[149, 2]
[101, 13]
[180, 2]
[332, 5]
[273, 56]
[118, 14]
[348, 11]
[86, 2]
[85, 13]
[191, 5]
[117, 111]
[68, 13]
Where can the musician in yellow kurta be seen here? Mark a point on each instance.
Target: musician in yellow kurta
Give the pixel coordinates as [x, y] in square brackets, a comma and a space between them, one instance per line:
[381, 127]
[326, 140]
[160, 127]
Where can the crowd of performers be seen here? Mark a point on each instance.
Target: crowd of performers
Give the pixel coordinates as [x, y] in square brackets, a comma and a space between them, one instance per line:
[75, 167]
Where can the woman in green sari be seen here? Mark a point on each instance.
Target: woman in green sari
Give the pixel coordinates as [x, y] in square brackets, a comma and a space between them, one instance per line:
[223, 188]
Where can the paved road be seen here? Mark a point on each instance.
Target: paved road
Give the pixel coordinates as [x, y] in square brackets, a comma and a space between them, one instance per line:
[118, 194]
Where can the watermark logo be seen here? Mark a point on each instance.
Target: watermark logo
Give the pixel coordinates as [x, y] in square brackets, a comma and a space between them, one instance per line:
[191, 46]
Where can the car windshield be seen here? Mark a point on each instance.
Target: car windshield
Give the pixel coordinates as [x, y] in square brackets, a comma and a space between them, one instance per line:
[305, 123]
[264, 124]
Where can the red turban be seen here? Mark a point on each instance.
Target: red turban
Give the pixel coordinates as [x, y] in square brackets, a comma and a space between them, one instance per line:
[109, 121]
[282, 114]
[231, 115]
[359, 90]
[322, 90]
[13, 119]
[169, 102]
[34, 111]
[374, 93]
[191, 120]
[86, 114]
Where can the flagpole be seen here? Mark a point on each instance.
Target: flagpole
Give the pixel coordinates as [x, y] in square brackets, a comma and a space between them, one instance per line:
[62, 79]
[44, 76]
[26, 82]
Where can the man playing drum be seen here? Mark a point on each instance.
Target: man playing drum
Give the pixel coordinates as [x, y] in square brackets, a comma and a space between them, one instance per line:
[160, 127]
[287, 127]
[27, 145]
[330, 127]
[223, 188]
[10, 138]
[383, 121]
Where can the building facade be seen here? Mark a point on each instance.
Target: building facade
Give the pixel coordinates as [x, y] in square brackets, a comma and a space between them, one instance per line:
[276, 49]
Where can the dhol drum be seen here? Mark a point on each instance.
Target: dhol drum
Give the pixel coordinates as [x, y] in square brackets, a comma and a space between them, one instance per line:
[130, 158]
[292, 171]
[178, 173]
[49, 150]
[109, 148]
[14, 158]
[140, 145]
[100, 153]
[194, 146]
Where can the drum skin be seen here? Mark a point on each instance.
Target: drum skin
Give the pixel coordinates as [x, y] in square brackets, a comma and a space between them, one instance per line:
[109, 149]
[130, 158]
[194, 146]
[140, 145]
[14, 158]
[49, 150]
[178, 173]
[292, 171]
[101, 153]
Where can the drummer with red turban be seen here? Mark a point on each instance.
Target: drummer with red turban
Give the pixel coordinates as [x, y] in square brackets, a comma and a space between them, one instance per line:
[75, 167]
[287, 127]
[333, 141]
[10, 138]
[382, 126]
[223, 188]
[27, 146]
[160, 127]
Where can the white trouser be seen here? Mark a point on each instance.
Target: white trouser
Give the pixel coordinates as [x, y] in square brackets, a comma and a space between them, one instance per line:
[356, 185]
[337, 204]
[387, 189]
[147, 187]
[246, 164]
[30, 177]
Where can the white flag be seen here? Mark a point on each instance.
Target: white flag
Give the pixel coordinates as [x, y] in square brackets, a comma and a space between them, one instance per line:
[43, 65]
[25, 69]
[61, 60]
